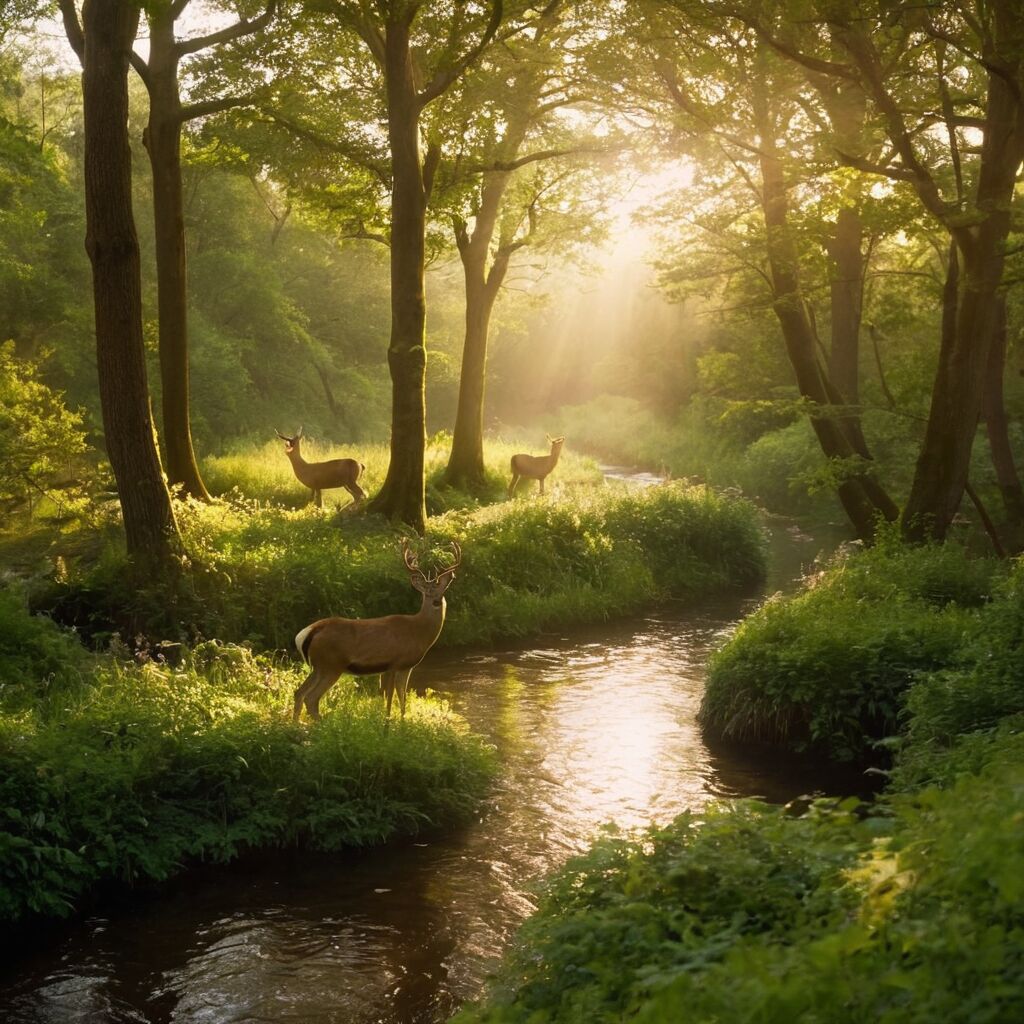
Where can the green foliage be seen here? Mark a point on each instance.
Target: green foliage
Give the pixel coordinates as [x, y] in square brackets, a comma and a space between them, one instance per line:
[34, 653]
[38, 434]
[910, 912]
[261, 573]
[141, 767]
[952, 713]
[828, 669]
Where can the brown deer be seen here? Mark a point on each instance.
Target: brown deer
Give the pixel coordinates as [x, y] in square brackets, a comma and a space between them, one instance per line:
[319, 476]
[391, 646]
[535, 467]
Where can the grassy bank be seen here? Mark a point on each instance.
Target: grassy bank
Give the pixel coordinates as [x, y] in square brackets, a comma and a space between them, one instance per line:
[259, 574]
[828, 669]
[909, 911]
[265, 474]
[117, 770]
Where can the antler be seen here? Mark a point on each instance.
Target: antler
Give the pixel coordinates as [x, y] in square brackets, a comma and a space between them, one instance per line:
[280, 435]
[299, 434]
[457, 551]
[411, 560]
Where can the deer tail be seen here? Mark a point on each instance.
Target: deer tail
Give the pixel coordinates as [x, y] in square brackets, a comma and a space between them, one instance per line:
[302, 641]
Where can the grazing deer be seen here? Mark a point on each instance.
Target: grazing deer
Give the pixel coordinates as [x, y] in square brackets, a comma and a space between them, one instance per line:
[391, 646]
[319, 476]
[535, 467]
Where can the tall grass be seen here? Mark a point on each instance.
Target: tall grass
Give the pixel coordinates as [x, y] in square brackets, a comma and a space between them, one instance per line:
[260, 573]
[265, 474]
[118, 770]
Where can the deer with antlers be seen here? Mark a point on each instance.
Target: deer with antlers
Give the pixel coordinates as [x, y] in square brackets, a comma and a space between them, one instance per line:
[391, 646]
[535, 467]
[319, 476]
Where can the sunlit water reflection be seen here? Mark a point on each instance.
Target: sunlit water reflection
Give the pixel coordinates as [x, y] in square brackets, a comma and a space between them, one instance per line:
[592, 730]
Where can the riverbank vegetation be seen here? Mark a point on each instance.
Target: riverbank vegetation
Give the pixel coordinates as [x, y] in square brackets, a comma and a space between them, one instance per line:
[258, 572]
[908, 909]
[123, 768]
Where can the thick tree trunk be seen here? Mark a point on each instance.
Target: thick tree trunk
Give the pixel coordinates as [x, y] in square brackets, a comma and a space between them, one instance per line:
[943, 464]
[997, 427]
[402, 496]
[862, 497]
[112, 245]
[163, 142]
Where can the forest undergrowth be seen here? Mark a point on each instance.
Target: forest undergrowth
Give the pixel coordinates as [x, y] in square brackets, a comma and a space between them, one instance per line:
[907, 909]
[153, 746]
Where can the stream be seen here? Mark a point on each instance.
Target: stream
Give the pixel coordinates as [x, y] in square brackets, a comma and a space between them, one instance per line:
[594, 729]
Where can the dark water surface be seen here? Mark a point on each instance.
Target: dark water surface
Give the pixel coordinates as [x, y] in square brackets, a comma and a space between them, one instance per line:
[593, 728]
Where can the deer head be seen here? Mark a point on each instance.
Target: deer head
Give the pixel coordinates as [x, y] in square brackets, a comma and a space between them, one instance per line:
[432, 587]
[291, 444]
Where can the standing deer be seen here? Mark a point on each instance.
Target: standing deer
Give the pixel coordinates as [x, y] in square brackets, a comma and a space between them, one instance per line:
[391, 646]
[535, 467]
[319, 476]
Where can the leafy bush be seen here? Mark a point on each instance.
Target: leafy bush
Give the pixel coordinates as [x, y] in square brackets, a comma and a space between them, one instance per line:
[38, 434]
[951, 713]
[260, 574]
[911, 913]
[34, 653]
[828, 669]
[144, 767]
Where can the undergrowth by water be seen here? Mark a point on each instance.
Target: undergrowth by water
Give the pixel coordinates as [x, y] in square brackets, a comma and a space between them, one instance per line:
[117, 769]
[259, 574]
[909, 910]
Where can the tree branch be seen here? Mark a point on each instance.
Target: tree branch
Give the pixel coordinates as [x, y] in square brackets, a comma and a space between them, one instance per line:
[443, 80]
[242, 27]
[73, 27]
[204, 108]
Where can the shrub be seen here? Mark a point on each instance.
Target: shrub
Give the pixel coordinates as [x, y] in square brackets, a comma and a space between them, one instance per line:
[145, 767]
[911, 914]
[951, 713]
[34, 653]
[828, 669]
[260, 574]
[38, 434]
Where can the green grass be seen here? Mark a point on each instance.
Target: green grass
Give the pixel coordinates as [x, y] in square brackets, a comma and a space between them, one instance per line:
[260, 573]
[828, 669]
[265, 474]
[117, 769]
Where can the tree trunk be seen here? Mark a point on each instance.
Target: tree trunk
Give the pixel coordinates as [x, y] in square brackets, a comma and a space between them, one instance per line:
[466, 462]
[111, 242]
[943, 464]
[862, 498]
[997, 428]
[846, 300]
[163, 142]
[402, 496]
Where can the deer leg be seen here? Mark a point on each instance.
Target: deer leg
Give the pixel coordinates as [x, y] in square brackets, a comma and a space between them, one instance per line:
[316, 692]
[403, 685]
[542, 485]
[300, 693]
[358, 494]
[387, 682]
[512, 485]
[318, 498]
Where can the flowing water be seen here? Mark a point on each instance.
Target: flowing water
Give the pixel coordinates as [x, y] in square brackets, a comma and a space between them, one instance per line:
[593, 729]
